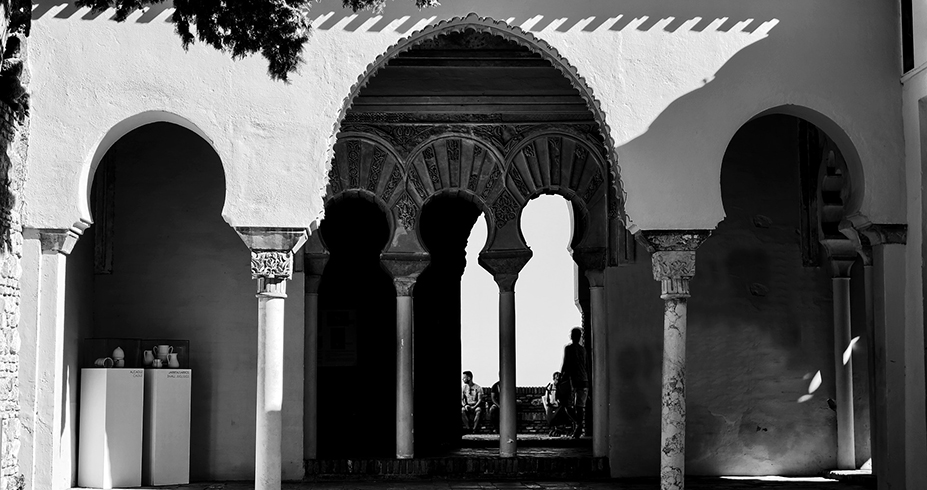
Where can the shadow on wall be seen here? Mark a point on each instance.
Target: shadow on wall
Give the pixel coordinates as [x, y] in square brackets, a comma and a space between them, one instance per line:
[402, 16]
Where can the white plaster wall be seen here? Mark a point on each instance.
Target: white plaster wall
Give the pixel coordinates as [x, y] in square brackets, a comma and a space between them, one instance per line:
[915, 133]
[675, 81]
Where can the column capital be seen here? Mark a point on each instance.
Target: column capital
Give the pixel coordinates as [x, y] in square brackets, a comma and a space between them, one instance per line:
[504, 265]
[314, 264]
[405, 269]
[841, 254]
[272, 255]
[592, 261]
[54, 240]
[673, 258]
[860, 241]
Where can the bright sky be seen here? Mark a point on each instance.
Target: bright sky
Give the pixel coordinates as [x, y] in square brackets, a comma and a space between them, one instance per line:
[545, 309]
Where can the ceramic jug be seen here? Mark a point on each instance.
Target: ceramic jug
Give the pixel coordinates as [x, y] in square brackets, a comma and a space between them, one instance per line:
[162, 350]
[172, 361]
[148, 357]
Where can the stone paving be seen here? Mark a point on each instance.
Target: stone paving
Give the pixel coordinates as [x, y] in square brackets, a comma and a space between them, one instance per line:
[768, 483]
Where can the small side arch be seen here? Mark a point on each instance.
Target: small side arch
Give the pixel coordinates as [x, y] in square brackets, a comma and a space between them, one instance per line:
[855, 184]
[114, 134]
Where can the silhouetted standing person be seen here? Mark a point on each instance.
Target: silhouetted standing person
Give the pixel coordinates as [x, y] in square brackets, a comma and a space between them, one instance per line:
[574, 370]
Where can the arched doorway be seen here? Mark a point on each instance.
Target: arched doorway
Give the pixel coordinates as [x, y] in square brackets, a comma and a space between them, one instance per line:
[155, 265]
[462, 120]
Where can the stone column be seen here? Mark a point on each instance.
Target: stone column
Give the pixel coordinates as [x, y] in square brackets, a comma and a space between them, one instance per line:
[43, 362]
[673, 256]
[271, 265]
[405, 269]
[504, 267]
[592, 263]
[315, 265]
[842, 254]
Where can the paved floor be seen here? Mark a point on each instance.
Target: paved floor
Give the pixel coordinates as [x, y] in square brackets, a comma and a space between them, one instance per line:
[773, 483]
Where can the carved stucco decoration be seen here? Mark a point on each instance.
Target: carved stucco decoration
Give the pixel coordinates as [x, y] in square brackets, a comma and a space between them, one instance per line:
[673, 264]
[407, 210]
[406, 138]
[376, 168]
[505, 209]
[366, 164]
[271, 264]
[564, 161]
[508, 32]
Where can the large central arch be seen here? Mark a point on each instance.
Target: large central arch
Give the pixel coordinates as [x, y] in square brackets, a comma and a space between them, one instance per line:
[476, 23]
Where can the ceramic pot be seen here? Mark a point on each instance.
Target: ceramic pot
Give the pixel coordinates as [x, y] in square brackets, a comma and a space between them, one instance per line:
[162, 350]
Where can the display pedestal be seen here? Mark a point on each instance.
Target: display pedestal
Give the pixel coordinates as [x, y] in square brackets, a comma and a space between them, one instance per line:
[111, 404]
[166, 452]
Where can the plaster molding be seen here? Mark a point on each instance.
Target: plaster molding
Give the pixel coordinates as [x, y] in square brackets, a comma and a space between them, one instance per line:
[505, 265]
[672, 240]
[271, 238]
[54, 240]
[511, 33]
[886, 234]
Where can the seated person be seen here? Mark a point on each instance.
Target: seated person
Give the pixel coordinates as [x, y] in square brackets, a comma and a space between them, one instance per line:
[551, 403]
[471, 402]
[495, 397]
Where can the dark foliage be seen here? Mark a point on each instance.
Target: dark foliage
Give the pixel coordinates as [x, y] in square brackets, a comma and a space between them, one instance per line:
[277, 29]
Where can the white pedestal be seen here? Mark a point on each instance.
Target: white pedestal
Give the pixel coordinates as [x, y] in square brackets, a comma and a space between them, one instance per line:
[166, 452]
[111, 402]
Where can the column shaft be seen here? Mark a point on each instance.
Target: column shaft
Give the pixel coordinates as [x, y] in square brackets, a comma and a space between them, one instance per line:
[268, 430]
[876, 378]
[507, 416]
[405, 400]
[599, 372]
[843, 368]
[311, 380]
[49, 401]
[673, 424]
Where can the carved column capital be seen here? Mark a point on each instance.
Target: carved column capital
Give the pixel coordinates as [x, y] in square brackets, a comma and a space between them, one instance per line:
[673, 257]
[272, 255]
[405, 269]
[54, 240]
[504, 265]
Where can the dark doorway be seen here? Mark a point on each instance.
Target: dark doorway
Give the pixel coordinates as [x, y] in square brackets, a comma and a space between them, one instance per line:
[357, 335]
[445, 225]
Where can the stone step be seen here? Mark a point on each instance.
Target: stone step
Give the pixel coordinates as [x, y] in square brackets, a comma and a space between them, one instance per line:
[582, 467]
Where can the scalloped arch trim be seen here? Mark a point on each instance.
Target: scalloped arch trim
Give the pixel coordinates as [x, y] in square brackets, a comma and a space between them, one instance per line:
[509, 32]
